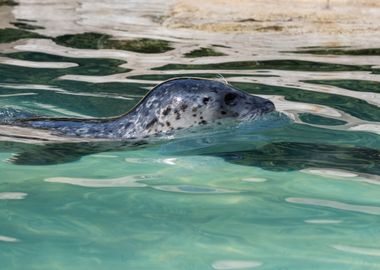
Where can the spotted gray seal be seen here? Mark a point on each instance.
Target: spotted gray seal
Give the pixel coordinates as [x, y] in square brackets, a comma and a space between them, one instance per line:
[172, 105]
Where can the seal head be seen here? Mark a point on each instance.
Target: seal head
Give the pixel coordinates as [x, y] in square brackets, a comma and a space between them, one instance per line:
[187, 102]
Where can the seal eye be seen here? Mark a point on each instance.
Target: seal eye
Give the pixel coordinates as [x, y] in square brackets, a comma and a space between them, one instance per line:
[206, 100]
[229, 98]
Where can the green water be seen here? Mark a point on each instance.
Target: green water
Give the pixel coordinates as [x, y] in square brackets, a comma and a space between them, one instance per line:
[270, 194]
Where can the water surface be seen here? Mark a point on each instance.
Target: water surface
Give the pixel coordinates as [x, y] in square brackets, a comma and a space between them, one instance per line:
[295, 190]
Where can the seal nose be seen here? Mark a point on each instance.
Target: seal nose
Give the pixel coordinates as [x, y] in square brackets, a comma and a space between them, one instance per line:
[268, 106]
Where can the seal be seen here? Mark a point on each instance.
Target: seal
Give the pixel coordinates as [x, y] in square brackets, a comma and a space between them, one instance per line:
[172, 105]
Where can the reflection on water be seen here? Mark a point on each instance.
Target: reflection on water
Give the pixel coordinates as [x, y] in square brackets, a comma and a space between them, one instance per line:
[101, 41]
[296, 65]
[10, 34]
[320, 120]
[296, 156]
[296, 188]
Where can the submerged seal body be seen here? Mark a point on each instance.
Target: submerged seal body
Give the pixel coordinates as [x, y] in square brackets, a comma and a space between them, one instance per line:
[172, 105]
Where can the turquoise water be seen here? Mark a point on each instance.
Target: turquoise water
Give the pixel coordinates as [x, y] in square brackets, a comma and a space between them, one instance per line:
[298, 189]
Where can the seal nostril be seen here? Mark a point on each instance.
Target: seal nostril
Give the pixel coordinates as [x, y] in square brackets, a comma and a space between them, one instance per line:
[268, 106]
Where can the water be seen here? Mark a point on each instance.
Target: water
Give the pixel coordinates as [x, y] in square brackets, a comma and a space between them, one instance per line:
[295, 190]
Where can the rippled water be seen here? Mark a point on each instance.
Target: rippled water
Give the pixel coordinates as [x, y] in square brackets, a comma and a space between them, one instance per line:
[295, 190]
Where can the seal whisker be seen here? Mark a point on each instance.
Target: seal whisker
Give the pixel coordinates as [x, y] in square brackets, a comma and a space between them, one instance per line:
[221, 77]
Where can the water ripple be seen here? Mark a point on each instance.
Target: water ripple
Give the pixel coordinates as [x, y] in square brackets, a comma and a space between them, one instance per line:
[254, 180]
[345, 175]
[330, 172]
[127, 181]
[12, 195]
[235, 264]
[323, 221]
[372, 210]
[18, 95]
[31, 64]
[358, 250]
[224, 215]
[8, 239]
[193, 189]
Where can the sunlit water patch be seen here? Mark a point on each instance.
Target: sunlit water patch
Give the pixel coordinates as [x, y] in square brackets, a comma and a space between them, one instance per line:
[12, 195]
[295, 189]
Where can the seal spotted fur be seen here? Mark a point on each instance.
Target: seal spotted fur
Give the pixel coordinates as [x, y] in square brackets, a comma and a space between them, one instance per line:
[172, 105]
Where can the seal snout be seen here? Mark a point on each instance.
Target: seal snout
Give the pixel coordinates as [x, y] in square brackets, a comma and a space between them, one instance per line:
[262, 105]
[268, 106]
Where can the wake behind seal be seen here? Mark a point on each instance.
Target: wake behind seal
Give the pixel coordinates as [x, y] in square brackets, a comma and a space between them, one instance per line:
[172, 105]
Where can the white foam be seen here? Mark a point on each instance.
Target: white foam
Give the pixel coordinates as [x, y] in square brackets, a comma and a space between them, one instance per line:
[254, 180]
[323, 221]
[372, 210]
[235, 264]
[358, 250]
[8, 239]
[127, 181]
[12, 195]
